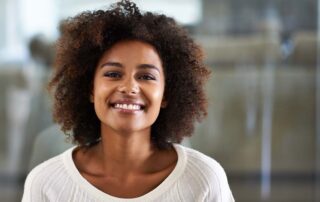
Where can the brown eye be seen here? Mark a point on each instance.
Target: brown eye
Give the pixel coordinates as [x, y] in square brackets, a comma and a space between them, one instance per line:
[147, 77]
[112, 74]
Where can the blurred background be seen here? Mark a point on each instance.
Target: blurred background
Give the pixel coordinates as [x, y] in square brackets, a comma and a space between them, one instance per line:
[264, 109]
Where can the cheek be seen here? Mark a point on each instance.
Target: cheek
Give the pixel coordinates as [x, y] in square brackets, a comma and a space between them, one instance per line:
[100, 88]
[157, 95]
[101, 93]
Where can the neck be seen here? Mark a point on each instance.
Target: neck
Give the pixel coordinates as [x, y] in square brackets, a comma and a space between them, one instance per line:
[125, 152]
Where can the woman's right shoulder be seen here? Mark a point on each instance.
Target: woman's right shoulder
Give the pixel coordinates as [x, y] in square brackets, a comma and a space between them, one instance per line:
[46, 167]
[46, 173]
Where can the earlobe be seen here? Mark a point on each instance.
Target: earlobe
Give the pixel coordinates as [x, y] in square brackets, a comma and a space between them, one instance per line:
[91, 98]
[164, 104]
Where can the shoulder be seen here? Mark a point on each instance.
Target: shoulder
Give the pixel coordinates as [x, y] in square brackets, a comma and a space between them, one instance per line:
[206, 173]
[208, 165]
[43, 176]
[45, 168]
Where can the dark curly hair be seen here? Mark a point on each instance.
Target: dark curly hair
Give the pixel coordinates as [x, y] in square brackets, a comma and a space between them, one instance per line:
[85, 37]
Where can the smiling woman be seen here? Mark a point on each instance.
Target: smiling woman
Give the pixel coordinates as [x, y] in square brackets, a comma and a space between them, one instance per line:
[129, 86]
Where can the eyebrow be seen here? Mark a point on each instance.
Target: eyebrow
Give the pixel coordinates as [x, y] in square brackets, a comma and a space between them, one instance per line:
[115, 64]
[141, 66]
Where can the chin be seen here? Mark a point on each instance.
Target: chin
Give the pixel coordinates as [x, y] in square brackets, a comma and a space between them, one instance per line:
[128, 127]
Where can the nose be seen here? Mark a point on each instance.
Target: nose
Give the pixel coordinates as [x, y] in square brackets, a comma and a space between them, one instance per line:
[129, 86]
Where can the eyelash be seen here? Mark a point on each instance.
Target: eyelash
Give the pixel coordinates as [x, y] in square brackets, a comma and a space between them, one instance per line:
[147, 77]
[112, 74]
[118, 75]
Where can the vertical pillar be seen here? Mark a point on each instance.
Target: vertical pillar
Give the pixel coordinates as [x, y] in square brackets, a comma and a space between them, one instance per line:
[317, 124]
[272, 37]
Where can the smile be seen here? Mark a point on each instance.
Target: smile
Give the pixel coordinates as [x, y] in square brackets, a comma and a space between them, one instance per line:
[127, 106]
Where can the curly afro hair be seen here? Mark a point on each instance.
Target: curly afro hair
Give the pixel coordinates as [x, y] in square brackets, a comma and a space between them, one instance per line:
[85, 37]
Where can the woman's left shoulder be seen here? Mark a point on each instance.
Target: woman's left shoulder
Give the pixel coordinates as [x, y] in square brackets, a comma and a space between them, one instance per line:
[208, 173]
[197, 159]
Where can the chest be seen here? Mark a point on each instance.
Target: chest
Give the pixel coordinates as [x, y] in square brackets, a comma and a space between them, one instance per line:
[128, 187]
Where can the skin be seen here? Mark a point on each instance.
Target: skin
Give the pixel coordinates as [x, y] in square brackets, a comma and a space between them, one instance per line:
[125, 163]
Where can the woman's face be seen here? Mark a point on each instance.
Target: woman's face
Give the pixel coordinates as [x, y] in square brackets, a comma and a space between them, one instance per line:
[128, 87]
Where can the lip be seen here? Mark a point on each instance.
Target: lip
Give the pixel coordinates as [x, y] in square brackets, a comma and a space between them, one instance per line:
[127, 102]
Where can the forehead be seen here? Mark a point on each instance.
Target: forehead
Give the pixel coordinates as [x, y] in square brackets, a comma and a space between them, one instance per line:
[132, 51]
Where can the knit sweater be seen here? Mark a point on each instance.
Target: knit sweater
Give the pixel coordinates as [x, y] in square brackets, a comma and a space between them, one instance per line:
[196, 177]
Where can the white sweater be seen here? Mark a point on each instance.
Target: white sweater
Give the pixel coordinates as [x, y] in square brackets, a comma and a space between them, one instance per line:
[196, 177]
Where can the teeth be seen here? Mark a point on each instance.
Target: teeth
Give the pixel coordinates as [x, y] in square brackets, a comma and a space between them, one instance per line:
[128, 106]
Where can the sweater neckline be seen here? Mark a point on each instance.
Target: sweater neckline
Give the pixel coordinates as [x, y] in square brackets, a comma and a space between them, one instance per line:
[153, 194]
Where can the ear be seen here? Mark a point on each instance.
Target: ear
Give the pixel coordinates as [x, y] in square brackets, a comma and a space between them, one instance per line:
[164, 103]
[91, 98]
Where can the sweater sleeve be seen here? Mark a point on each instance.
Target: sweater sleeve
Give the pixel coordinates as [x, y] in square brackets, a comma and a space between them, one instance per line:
[31, 190]
[211, 179]
[219, 189]
[36, 180]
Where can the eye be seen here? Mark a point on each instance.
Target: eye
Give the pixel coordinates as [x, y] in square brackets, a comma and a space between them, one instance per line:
[112, 74]
[147, 77]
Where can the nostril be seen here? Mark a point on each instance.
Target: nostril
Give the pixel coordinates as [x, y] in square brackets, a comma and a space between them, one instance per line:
[135, 89]
[129, 89]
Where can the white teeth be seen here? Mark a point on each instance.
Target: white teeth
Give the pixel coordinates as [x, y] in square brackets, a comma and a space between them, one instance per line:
[128, 106]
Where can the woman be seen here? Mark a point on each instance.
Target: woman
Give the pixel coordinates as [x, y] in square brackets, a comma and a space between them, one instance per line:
[129, 86]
